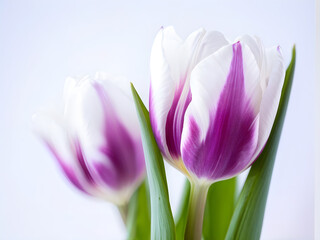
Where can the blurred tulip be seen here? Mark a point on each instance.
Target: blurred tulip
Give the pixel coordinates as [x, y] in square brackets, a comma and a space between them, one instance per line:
[96, 140]
[212, 104]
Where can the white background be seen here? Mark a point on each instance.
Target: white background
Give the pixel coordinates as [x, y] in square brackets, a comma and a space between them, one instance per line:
[42, 42]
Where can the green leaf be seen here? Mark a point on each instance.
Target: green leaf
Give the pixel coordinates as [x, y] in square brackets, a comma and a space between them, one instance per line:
[162, 224]
[182, 214]
[248, 216]
[219, 208]
[138, 223]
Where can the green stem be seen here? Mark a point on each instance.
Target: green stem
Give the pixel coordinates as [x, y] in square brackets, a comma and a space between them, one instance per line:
[123, 209]
[197, 203]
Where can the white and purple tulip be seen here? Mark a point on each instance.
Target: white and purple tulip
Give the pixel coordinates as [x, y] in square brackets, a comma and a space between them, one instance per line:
[212, 102]
[96, 140]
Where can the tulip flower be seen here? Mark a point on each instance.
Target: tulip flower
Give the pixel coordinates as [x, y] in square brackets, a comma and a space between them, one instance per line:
[212, 105]
[96, 140]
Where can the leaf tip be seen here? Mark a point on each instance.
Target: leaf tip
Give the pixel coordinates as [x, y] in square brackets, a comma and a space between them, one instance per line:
[132, 87]
[134, 91]
[294, 51]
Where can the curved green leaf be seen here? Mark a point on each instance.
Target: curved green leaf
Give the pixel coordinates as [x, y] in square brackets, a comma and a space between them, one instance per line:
[248, 216]
[219, 208]
[138, 223]
[162, 224]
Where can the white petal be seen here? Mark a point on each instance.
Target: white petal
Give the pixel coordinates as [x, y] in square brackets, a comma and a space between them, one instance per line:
[50, 127]
[171, 63]
[208, 79]
[86, 110]
[255, 46]
[119, 93]
[252, 77]
[258, 50]
[182, 56]
[271, 95]
[161, 87]
[83, 112]
[210, 43]
[53, 131]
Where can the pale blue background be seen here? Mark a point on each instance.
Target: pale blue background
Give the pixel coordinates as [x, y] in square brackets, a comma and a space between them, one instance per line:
[42, 42]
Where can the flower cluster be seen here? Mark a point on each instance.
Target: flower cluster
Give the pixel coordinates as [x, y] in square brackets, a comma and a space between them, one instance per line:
[212, 106]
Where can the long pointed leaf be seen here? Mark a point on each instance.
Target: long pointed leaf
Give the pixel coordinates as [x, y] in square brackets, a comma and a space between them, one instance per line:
[219, 208]
[248, 216]
[162, 224]
[138, 223]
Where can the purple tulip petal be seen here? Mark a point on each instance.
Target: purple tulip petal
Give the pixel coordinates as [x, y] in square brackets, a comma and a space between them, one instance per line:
[67, 170]
[172, 60]
[121, 148]
[82, 163]
[175, 120]
[107, 174]
[230, 140]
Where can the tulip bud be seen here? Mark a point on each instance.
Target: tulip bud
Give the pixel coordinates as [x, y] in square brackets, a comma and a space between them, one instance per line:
[95, 140]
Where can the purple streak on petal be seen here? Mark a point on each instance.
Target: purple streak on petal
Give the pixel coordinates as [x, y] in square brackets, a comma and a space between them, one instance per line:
[192, 147]
[279, 49]
[175, 118]
[230, 140]
[82, 163]
[107, 174]
[67, 170]
[153, 122]
[120, 148]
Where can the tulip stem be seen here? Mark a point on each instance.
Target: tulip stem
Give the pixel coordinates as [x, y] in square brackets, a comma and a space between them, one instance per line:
[123, 209]
[197, 203]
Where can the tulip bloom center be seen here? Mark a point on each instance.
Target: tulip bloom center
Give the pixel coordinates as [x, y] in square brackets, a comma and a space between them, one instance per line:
[230, 139]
